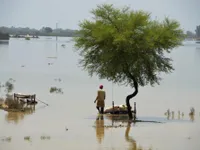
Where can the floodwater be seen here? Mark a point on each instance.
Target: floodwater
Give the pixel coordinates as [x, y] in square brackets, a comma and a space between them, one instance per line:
[71, 121]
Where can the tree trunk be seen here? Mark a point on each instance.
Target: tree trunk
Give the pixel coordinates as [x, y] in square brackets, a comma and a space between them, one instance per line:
[131, 76]
[128, 99]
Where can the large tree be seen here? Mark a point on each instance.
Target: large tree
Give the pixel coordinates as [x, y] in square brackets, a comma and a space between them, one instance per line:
[127, 47]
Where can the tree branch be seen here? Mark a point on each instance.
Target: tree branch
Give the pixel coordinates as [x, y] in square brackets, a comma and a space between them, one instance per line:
[111, 21]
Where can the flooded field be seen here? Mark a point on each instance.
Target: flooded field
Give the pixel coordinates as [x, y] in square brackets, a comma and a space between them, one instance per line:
[50, 70]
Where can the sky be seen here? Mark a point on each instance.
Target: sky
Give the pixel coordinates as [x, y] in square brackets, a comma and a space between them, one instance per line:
[68, 14]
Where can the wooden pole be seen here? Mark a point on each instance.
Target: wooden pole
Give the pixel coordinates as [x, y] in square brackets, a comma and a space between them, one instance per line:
[43, 102]
[112, 98]
[34, 98]
[56, 35]
[134, 112]
[113, 105]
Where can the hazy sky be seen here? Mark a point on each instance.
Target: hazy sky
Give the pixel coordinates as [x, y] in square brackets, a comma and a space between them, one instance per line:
[38, 13]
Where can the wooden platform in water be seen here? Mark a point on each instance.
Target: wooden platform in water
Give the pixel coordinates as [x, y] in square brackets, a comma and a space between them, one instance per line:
[121, 109]
[26, 98]
[19, 95]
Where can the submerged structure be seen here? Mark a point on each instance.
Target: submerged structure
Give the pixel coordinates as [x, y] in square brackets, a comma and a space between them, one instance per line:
[120, 109]
[18, 102]
[30, 99]
[117, 109]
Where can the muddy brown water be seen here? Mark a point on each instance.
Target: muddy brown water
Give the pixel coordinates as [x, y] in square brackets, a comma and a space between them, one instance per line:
[71, 120]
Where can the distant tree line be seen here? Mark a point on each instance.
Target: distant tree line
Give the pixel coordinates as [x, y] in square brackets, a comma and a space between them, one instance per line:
[44, 31]
[4, 36]
[195, 34]
[198, 31]
[47, 31]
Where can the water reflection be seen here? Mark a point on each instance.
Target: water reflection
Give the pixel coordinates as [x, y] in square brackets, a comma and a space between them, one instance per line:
[129, 139]
[171, 115]
[179, 115]
[18, 116]
[116, 119]
[192, 113]
[99, 128]
[6, 139]
[4, 42]
[191, 117]
[197, 55]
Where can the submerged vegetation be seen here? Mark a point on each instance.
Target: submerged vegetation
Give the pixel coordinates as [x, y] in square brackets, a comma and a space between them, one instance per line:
[192, 111]
[56, 90]
[8, 86]
[171, 114]
[27, 138]
[7, 139]
[8, 102]
[45, 137]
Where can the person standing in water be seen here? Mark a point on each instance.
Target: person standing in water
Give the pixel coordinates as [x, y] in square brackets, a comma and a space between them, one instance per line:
[100, 99]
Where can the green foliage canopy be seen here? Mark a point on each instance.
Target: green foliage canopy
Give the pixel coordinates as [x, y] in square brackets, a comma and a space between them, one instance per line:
[126, 46]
